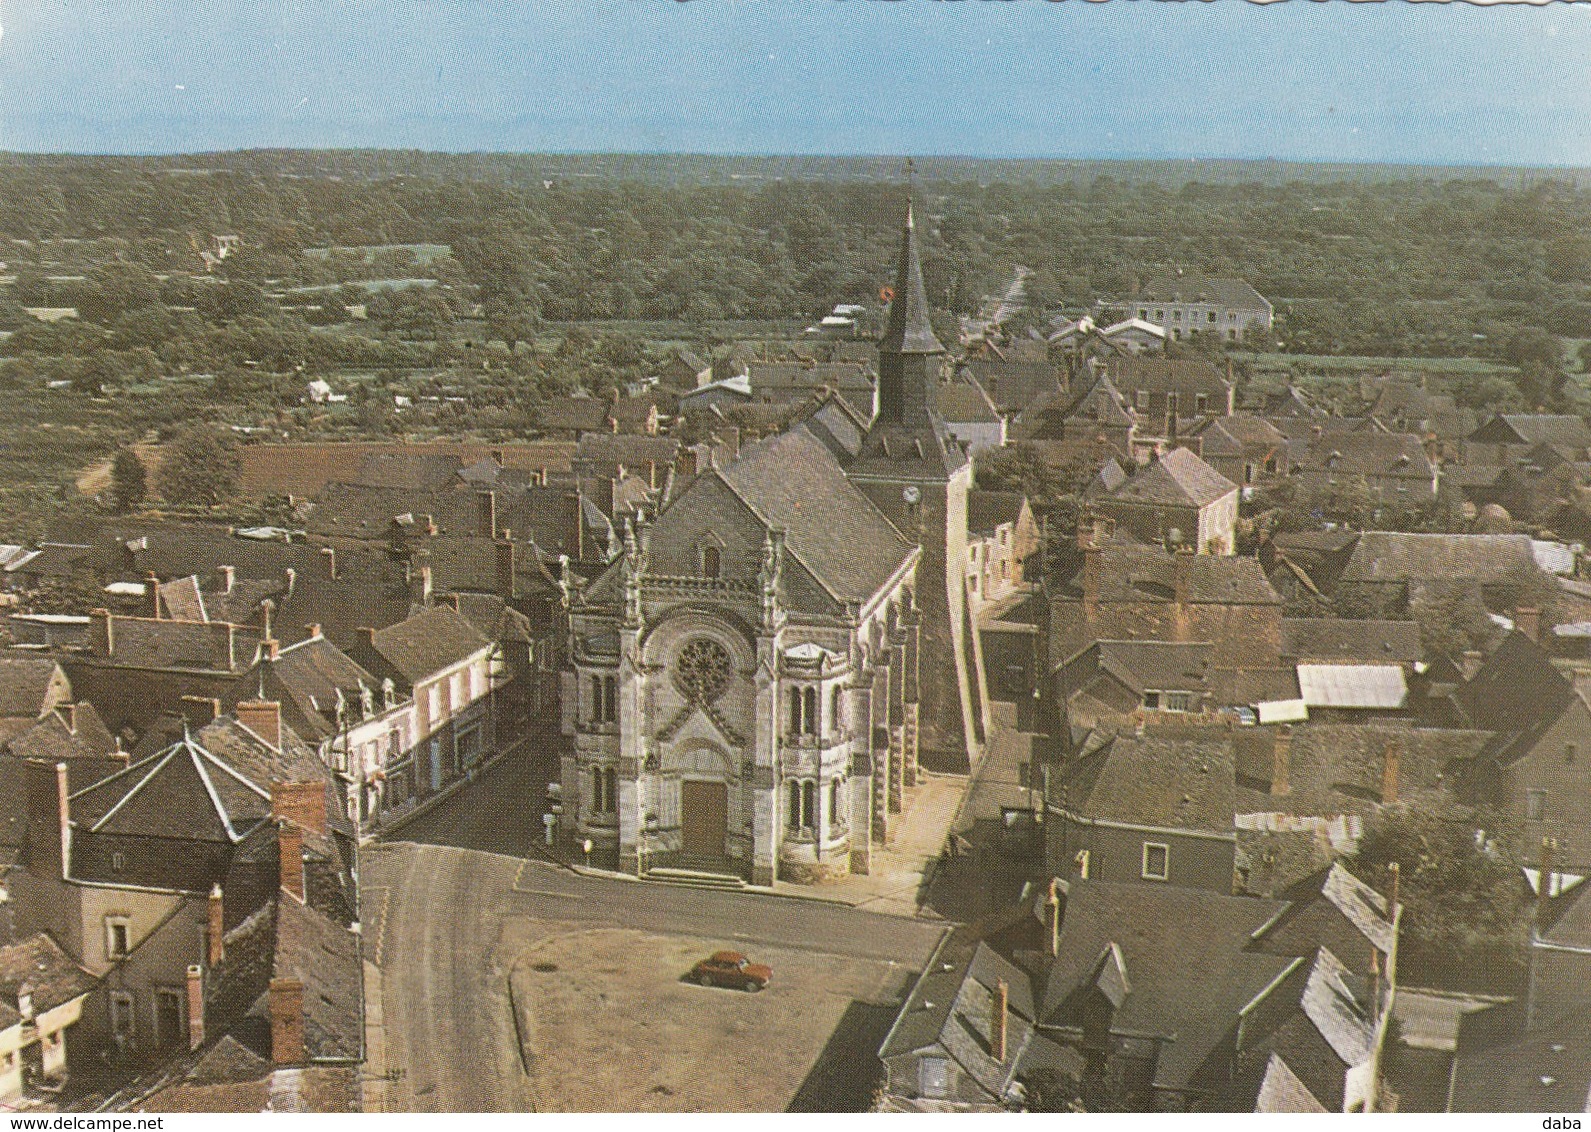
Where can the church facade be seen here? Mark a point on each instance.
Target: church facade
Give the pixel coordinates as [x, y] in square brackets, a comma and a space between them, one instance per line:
[753, 679]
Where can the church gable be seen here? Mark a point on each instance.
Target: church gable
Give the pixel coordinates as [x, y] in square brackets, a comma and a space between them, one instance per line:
[708, 517]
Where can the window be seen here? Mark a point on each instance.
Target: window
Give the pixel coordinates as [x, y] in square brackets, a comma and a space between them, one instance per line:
[972, 582]
[1248, 473]
[168, 1017]
[1157, 861]
[1535, 805]
[835, 704]
[933, 1076]
[802, 797]
[1176, 316]
[1570, 750]
[710, 562]
[1152, 701]
[604, 790]
[1160, 316]
[1210, 317]
[117, 862]
[1143, 312]
[1178, 701]
[803, 711]
[604, 699]
[1231, 335]
[118, 937]
[1140, 399]
[1201, 403]
[837, 802]
[121, 1017]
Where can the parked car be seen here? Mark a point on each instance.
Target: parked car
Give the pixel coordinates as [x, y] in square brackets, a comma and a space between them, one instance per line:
[731, 969]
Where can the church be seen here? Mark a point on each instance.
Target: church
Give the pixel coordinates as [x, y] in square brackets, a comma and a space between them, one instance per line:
[756, 679]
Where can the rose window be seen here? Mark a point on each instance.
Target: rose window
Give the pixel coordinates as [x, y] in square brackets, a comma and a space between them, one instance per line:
[703, 670]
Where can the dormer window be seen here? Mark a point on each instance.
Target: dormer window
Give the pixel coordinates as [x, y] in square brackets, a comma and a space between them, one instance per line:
[710, 562]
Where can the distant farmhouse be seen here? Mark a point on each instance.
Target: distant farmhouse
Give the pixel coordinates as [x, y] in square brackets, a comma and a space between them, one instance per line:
[1187, 303]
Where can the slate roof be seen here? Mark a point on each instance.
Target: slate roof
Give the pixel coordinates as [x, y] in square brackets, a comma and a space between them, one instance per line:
[908, 329]
[1330, 639]
[1168, 375]
[1194, 1002]
[424, 644]
[1191, 287]
[1569, 432]
[1545, 1070]
[1396, 557]
[1177, 479]
[1515, 689]
[1013, 386]
[1147, 574]
[1140, 665]
[1168, 779]
[314, 948]
[832, 529]
[1238, 434]
[305, 679]
[206, 646]
[988, 510]
[1371, 454]
[182, 792]
[1101, 403]
[964, 400]
[39, 966]
[53, 740]
[1281, 1090]
[25, 685]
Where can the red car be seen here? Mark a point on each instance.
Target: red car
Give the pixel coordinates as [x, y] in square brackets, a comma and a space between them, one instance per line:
[731, 969]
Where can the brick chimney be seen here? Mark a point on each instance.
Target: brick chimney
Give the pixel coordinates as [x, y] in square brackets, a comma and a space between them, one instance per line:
[263, 718]
[270, 649]
[292, 579]
[420, 586]
[1091, 569]
[1281, 759]
[290, 854]
[303, 803]
[367, 636]
[215, 927]
[1052, 908]
[103, 638]
[312, 630]
[1002, 1013]
[152, 589]
[195, 1006]
[228, 576]
[267, 612]
[1527, 620]
[287, 1021]
[330, 555]
[1544, 881]
[1389, 772]
[486, 514]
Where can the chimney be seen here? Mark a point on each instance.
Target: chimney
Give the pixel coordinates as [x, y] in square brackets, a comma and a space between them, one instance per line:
[330, 555]
[367, 636]
[1181, 587]
[313, 631]
[229, 577]
[267, 610]
[486, 514]
[195, 1006]
[1389, 772]
[201, 711]
[49, 818]
[292, 579]
[1002, 1003]
[1528, 621]
[270, 649]
[1281, 759]
[1090, 579]
[290, 859]
[215, 928]
[1171, 421]
[303, 803]
[505, 569]
[421, 588]
[264, 718]
[104, 636]
[152, 588]
[287, 1021]
[1544, 882]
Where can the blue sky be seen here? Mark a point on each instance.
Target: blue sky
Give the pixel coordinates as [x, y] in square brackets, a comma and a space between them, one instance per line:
[1335, 82]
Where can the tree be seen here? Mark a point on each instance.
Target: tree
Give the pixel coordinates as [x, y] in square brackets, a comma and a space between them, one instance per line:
[128, 481]
[200, 467]
[1465, 913]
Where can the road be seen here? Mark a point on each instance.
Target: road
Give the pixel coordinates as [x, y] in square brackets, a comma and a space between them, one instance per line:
[446, 923]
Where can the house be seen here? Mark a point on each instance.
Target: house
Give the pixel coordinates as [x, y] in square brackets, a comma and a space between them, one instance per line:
[685, 370]
[31, 687]
[1392, 467]
[126, 873]
[363, 728]
[1333, 640]
[1535, 772]
[443, 664]
[1002, 538]
[1185, 304]
[1248, 451]
[793, 383]
[1388, 568]
[1109, 681]
[41, 998]
[1158, 386]
[1504, 434]
[969, 414]
[1178, 501]
[1014, 385]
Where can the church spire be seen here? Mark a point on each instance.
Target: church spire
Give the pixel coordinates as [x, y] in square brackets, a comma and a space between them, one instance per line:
[908, 330]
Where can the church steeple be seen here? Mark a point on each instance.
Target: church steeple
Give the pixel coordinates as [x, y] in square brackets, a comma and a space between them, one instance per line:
[907, 371]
